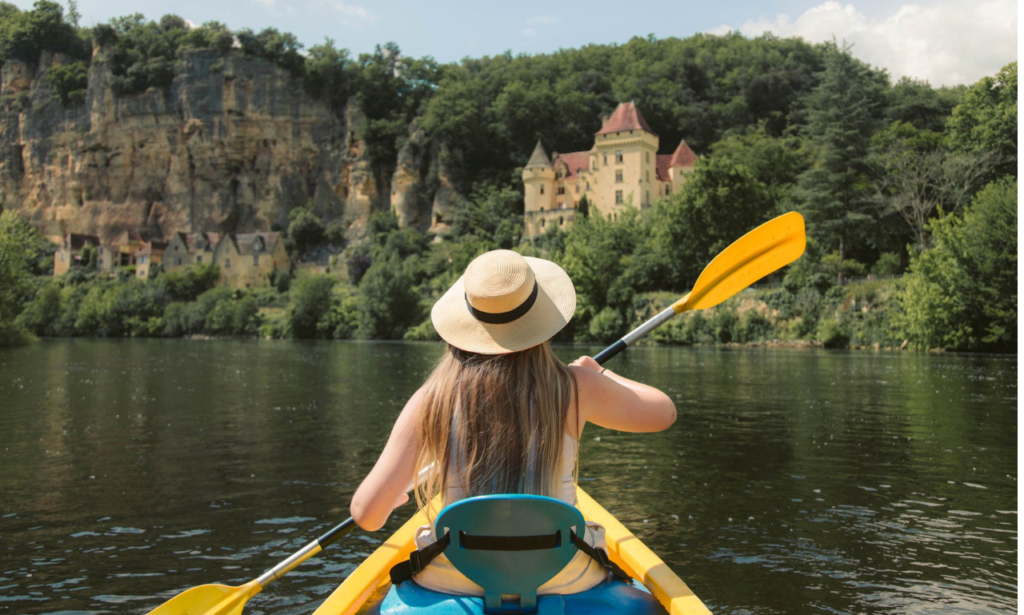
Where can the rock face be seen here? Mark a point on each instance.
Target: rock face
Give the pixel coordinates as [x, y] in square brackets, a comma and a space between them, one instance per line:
[232, 146]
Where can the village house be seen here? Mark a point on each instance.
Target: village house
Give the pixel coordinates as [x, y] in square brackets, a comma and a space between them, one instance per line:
[68, 255]
[150, 255]
[186, 249]
[248, 259]
[622, 169]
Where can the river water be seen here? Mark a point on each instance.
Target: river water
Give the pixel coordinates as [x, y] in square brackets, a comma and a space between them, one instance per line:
[794, 481]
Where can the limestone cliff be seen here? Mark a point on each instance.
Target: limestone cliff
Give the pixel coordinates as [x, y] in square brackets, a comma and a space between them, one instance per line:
[232, 146]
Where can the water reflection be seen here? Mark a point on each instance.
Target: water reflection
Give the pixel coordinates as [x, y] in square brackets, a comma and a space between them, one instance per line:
[794, 481]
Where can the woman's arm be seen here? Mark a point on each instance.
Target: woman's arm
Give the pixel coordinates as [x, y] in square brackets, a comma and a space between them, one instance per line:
[384, 488]
[615, 402]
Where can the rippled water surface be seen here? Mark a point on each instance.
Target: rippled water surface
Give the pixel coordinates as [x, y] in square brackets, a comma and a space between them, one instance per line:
[793, 482]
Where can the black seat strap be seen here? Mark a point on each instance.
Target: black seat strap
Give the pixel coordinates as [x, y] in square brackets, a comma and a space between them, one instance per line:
[421, 558]
[600, 557]
[510, 543]
[418, 560]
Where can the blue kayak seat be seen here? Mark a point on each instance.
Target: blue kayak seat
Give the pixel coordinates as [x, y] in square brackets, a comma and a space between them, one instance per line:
[510, 545]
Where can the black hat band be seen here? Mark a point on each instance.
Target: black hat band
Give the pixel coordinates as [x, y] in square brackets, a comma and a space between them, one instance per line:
[502, 318]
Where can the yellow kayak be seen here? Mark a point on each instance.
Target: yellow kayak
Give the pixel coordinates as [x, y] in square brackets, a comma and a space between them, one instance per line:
[371, 581]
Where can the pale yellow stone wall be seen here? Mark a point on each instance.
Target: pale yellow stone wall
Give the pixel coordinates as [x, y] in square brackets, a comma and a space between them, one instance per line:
[177, 256]
[242, 270]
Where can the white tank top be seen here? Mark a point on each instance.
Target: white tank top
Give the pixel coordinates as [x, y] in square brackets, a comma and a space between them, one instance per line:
[566, 492]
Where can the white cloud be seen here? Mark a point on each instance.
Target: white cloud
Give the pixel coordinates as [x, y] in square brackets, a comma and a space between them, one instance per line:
[264, 2]
[946, 43]
[528, 32]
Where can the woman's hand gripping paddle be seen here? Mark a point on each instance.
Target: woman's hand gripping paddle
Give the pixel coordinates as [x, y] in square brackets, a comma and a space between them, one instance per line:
[214, 599]
[764, 250]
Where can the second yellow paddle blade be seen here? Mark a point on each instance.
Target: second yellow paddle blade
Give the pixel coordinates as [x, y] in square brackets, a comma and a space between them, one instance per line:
[766, 249]
[209, 600]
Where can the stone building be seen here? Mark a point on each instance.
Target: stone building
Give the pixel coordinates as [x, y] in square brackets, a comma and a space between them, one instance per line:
[68, 255]
[622, 169]
[186, 249]
[150, 255]
[248, 259]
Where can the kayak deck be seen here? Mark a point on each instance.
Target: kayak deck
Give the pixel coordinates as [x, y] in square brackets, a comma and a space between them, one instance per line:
[625, 549]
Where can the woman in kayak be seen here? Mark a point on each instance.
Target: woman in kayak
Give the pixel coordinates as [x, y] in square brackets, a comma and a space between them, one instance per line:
[500, 414]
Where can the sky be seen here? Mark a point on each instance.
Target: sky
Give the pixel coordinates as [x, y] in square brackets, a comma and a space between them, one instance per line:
[944, 42]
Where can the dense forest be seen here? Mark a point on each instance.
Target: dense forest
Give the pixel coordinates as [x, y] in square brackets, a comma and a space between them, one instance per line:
[892, 177]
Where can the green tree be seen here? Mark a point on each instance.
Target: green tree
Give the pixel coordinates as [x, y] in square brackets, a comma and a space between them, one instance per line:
[16, 240]
[915, 175]
[305, 230]
[962, 293]
[310, 302]
[842, 113]
[720, 202]
[986, 120]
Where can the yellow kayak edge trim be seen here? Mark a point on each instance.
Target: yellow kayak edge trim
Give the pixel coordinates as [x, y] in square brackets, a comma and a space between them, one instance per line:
[624, 549]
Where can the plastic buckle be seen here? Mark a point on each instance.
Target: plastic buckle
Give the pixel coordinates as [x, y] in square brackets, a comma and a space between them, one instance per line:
[415, 563]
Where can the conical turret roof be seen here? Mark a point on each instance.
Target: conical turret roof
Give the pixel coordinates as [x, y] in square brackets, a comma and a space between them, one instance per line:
[539, 158]
[626, 117]
[683, 156]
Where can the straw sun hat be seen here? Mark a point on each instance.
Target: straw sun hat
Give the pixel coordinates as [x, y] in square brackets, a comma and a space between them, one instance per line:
[505, 303]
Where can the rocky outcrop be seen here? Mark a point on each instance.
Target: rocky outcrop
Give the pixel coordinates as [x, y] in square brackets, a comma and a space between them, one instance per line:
[232, 146]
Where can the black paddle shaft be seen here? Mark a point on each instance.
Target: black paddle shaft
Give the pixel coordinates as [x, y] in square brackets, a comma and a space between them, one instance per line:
[609, 352]
[336, 532]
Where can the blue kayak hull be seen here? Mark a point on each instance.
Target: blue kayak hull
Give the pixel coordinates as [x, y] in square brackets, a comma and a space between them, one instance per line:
[611, 597]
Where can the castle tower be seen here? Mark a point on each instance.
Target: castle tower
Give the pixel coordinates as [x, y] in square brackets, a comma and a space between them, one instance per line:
[539, 188]
[626, 151]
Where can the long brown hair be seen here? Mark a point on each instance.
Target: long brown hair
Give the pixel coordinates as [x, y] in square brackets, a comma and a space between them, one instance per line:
[494, 423]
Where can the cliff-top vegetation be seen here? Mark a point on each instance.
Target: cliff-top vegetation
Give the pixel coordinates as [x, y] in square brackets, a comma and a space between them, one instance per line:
[892, 177]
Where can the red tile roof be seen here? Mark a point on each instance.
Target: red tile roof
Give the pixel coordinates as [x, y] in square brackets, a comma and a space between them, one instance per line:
[574, 162]
[683, 156]
[626, 117]
[661, 166]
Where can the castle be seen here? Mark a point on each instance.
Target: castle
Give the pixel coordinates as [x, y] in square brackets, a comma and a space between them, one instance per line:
[622, 169]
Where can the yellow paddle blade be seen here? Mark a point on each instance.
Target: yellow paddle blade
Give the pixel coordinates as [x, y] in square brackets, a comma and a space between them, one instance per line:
[766, 249]
[209, 600]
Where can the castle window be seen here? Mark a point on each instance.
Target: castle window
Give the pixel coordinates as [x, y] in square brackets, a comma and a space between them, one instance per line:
[100, 262]
[609, 216]
[618, 155]
[561, 205]
[606, 160]
[256, 259]
[618, 197]
[542, 221]
[561, 190]
[542, 188]
[648, 156]
[668, 190]
[618, 176]
[542, 209]
[647, 174]
[227, 263]
[561, 221]
[177, 261]
[577, 188]
[199, 258]
[594, 167]
[647, 197]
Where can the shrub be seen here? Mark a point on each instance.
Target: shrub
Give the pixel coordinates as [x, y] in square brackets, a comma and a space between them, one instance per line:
[888, 263]
[832, 334]
[606, 326]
